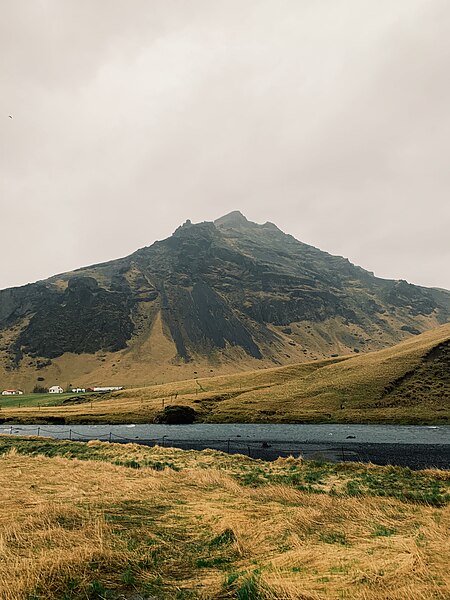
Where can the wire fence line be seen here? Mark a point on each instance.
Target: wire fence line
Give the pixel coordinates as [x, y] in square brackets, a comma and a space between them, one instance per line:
[415, 456]
[264, 449]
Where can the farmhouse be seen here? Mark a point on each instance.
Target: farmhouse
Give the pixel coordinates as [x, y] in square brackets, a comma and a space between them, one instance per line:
[12, 393]
[55, 389]
[111, 388]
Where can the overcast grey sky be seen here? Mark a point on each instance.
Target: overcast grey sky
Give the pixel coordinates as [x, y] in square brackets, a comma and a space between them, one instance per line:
[329, 118]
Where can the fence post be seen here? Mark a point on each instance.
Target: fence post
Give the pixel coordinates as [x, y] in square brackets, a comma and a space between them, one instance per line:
[10, 430]
[39, 431]
[70, 434]
[110, 434]
[248, 447]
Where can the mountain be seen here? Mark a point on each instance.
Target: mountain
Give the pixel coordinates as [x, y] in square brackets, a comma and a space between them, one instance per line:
[214, 297]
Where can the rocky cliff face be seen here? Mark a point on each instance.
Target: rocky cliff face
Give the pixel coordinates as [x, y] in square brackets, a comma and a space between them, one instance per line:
[217, 288]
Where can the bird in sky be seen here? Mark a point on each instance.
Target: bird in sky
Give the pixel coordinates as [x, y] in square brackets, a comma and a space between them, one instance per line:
[10, 116]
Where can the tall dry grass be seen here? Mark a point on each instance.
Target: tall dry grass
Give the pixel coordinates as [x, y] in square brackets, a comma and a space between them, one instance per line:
[67, 524]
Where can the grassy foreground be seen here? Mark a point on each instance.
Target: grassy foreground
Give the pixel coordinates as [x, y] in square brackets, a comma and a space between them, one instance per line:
[408, 383]
[105, 521]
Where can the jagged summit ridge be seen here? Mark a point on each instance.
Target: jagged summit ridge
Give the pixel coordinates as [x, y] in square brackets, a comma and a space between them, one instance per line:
[233, 219]
[236, 220]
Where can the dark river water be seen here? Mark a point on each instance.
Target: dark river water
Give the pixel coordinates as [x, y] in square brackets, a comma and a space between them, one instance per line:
[413, 446]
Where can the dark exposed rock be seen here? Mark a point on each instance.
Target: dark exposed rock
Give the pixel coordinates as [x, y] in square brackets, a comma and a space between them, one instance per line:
[401, 294]
[410, 329]
[77, 400]
[84, 318]
[233, 219]
[176, 415]
[41, 364]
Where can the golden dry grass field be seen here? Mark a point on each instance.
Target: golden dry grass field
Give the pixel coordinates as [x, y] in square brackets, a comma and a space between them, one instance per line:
[104, 521]
[408, 383]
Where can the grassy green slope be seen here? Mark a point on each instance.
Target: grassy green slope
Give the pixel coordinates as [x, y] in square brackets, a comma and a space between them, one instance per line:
[36, 400]
[409, 381]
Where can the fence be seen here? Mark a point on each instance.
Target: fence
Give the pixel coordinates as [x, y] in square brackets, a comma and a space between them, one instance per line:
[262, 449]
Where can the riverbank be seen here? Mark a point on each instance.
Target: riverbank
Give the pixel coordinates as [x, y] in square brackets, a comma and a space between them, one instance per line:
[415, 447]
[99, 520]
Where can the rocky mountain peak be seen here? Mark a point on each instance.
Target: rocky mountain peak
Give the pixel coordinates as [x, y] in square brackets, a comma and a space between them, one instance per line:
[234, 219]
[221, 291]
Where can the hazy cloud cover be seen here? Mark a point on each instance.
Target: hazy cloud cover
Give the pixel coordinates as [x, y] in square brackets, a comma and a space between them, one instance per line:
[328, 117]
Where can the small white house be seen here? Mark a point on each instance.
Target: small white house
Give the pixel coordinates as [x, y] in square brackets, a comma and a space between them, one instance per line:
[109, 388]
[55, 389]
[12, 393]
[77, 390]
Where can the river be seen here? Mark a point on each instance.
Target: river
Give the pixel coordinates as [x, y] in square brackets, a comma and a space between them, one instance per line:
[413, 446]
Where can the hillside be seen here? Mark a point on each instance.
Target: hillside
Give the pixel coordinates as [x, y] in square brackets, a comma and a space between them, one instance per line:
[211, 299]
[408, 383]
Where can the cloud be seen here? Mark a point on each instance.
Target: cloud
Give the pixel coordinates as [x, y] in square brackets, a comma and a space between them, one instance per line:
[328, 118]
